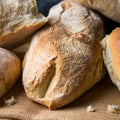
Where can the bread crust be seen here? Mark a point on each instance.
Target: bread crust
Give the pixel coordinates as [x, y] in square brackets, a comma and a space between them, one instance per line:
[15, 31]
[10, 69]
[106, 7]
[111, 55]
[64, 61]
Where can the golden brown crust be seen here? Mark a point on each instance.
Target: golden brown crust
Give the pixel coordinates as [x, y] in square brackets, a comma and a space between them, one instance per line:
[15, 25]
[114, 45]
[12, 39]
[63, 62]
[111, 54]
[9, 70]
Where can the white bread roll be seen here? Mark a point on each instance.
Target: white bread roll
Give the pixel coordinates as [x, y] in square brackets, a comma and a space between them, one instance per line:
[18, 20]
[10, 68]
[64, 59]
[109, 8]
[111, 55]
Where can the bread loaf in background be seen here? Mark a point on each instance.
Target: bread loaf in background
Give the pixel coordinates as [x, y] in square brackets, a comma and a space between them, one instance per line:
[64, 59]
[21, 49]
[111, 55]
[18, 20]
[109, 8]
[10, 68]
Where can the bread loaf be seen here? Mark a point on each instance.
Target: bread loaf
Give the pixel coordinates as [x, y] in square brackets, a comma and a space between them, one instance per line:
[9, 70]
[111, 55]
[18, 20]
[109, 8]
[64, 59]
[21, 49]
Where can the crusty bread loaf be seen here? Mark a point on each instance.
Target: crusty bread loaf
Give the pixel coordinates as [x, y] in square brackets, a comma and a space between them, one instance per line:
[111, 55]
[21, 49]
[64, 59]
[9, 70]
[18, 19]
[109, 8]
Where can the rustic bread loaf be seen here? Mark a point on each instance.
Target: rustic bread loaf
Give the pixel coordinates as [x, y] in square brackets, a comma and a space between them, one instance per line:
[111, 55]
[64, 59]
[21, 49]
[9, 70]
[109, 8]
[18, 20]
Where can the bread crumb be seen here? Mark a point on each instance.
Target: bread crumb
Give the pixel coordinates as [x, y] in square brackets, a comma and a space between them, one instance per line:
[90, 108]
[113, 108]
[10, 101]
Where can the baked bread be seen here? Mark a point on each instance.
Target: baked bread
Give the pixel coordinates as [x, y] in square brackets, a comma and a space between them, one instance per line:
[111, 55]
[9, 70]
[109, 8]
[18, 20]
[64, 59]
[21, 49]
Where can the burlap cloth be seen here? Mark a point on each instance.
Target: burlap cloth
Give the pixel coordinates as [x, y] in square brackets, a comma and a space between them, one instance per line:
[102, 94]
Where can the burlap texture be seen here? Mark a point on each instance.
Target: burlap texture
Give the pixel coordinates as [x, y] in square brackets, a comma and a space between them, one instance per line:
[99, 96]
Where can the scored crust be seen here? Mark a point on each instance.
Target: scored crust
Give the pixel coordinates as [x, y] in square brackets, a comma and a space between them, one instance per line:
[64, 59]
